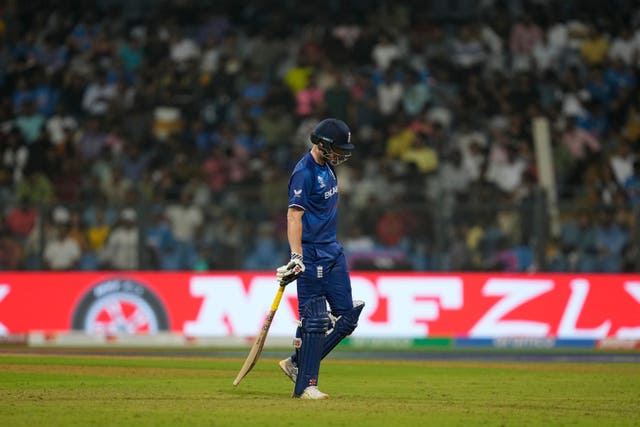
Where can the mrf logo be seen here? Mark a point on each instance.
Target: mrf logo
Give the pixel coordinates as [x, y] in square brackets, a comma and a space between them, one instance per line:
[406, 306]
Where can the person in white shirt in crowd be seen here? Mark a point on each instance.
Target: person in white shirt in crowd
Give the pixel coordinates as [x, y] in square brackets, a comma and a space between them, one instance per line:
[121, 250]
[495, 54]
[183, 48]
[61, 251]
[98, 95]
[621, 162]
[385, 52]
[624, 47]
[390, 92]
[545, 55]
[61, 127]
[505, 167]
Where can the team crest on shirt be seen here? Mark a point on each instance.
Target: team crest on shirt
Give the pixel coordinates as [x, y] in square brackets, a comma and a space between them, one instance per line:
[321, 182]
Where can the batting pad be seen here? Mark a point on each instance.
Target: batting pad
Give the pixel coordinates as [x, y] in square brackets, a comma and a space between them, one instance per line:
[343, 327]
[315, 323]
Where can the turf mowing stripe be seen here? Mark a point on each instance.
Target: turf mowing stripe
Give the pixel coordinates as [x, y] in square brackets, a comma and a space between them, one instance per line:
[397, 343]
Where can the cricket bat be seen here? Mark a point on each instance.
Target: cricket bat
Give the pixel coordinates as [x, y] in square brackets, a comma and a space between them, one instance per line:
[256, 349]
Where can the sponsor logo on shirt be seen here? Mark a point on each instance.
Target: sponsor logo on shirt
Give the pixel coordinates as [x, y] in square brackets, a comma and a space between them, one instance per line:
[331, 192]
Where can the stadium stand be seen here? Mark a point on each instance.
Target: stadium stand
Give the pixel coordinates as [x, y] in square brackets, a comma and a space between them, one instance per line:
[170, 128]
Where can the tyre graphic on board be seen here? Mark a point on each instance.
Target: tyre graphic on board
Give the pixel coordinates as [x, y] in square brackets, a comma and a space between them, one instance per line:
[120, 306]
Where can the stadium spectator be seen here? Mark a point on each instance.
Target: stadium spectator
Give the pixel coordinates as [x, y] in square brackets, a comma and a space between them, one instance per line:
[594, 49]
[310, 99]
[467, 50]
[267, 252]
[505, 168]
[98, 95]
[62, 252]
[336, 100]
[182, 48]
[621, 162]
[134, 163]
[11, 250]
[116, 187]
[186, 220]
[546, 55]
[98, 231]
[36, 188]
[611, 237]
[61, 128]
[451, 182]
[30, 122]
[580, 144]
[225, 237]
[21, 220]
[416, 94]
[121, 249]
[389, 93]
[623, 47]
[385, 51]
[523, 37]
[632, 186]
[14, 159]
[160, 242]
[254, 93]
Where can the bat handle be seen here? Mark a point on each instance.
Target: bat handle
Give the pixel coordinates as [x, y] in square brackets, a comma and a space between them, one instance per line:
[276, 300]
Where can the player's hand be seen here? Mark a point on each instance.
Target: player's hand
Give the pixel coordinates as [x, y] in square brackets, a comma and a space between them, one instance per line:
[290, 271]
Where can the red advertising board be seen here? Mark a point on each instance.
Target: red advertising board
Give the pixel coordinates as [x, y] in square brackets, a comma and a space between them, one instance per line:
[412, 305]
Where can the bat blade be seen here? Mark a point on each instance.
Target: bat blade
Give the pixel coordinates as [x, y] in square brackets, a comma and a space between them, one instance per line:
[256, 348]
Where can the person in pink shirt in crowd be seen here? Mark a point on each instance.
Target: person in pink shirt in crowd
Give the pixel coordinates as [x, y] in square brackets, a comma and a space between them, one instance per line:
[579, 142]
[309, 99]
[21, 219]
[524, 36]
[581, 148]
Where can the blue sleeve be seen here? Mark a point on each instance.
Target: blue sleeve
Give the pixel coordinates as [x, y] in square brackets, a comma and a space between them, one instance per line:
[300, 186]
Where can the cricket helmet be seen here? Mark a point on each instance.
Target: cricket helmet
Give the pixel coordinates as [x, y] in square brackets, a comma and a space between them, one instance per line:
[332, 134]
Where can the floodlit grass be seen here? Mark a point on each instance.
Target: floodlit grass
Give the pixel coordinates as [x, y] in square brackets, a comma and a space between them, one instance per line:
[49, 390]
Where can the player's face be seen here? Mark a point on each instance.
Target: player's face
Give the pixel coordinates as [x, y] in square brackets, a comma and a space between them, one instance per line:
[340, 151]
[338, 155]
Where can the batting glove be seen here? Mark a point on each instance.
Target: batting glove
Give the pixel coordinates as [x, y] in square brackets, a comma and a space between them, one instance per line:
[290, 271]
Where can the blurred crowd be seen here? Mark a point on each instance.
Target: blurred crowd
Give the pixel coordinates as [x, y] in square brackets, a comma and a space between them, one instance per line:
[161, 134]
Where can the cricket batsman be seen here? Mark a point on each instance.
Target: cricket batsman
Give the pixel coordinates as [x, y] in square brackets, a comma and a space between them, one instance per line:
[317, 259]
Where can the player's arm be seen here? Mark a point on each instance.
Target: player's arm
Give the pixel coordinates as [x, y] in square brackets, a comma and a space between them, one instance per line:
[295, 267]
[294, 229]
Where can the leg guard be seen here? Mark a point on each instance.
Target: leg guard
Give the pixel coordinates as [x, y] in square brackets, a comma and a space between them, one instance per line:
[315, 323]
[343, 327]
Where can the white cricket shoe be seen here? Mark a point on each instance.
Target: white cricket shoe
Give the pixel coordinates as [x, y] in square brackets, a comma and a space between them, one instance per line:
[289, 369]
[312, 393]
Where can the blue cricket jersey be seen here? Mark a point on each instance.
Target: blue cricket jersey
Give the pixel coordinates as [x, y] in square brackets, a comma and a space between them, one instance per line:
[314, 188]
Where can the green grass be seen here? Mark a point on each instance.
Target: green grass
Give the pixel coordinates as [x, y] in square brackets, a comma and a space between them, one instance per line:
[50, 390]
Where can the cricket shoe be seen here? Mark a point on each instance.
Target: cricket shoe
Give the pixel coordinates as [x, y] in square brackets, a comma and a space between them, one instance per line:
[312, 393]
[289, 369]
